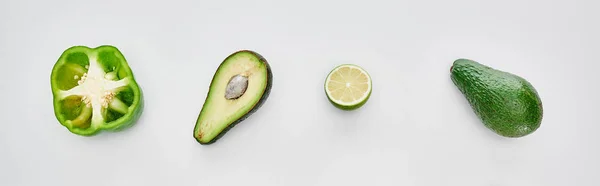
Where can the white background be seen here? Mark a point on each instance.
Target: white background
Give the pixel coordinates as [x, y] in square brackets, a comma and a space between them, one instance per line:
[417, 129]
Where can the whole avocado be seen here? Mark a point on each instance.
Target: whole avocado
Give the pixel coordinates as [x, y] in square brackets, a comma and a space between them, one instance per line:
[506, 103]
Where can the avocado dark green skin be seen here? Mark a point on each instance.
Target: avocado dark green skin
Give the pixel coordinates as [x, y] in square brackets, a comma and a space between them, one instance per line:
[506, 103]
[259, 104]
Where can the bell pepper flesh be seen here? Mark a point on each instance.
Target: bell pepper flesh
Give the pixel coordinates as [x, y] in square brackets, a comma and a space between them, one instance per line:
[94, 89]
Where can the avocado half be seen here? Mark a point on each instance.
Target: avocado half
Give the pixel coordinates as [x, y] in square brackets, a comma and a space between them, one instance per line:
[240, 86]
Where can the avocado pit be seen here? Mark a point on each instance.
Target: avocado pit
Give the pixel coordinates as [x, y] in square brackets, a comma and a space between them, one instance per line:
[236, 87]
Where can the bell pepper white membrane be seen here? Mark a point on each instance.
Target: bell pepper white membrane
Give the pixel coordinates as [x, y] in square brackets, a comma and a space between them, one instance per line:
[98, 91]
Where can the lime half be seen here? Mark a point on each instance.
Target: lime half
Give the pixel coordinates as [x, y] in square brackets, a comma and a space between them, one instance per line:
[348, 86]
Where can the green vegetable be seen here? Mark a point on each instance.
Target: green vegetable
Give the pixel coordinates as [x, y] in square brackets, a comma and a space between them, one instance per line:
[239, 87]
[506, 103]
[94, 89]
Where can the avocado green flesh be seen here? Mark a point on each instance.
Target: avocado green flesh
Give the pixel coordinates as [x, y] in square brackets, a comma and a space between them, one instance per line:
[218, 113]
[506, 103]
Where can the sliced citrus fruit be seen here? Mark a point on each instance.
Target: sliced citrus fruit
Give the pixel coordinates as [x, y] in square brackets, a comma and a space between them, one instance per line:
[348, 86]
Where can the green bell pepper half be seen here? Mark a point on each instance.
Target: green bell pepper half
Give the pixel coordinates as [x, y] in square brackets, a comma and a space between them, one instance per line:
[94, 89]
